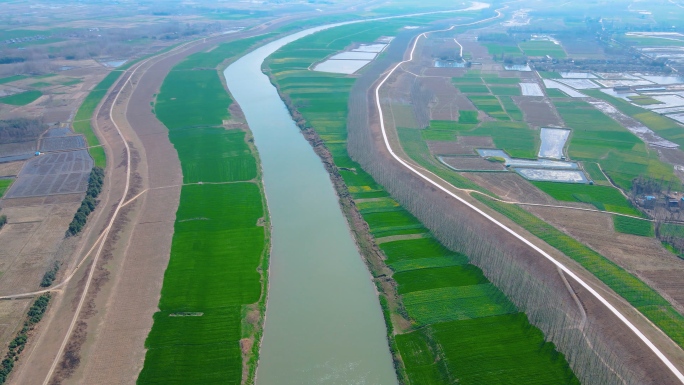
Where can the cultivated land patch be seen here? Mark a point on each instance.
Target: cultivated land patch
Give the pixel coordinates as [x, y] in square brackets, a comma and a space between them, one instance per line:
[600, 139]
[21, 99]
[444, 296]
[54, 173]
[63, 143]
[214, 276]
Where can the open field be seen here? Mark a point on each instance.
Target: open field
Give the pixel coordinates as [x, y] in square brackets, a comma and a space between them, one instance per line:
[437, 285]
[212, 272]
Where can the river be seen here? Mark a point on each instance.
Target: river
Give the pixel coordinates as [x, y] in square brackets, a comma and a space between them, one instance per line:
[324, 324]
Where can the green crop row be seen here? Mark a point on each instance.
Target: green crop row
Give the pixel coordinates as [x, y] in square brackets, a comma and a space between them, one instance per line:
[436, 284]
[595, 173]
[14, 78]
[636, 292]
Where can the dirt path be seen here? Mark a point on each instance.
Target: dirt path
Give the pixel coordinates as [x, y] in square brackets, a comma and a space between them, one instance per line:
[439, 183]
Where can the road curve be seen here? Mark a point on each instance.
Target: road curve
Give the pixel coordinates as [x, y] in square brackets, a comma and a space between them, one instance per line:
[565, 269]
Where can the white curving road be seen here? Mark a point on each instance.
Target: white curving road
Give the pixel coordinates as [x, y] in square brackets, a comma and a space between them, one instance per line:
[565, 269]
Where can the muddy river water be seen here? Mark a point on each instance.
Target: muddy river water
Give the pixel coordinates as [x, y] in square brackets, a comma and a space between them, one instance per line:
[324, 323]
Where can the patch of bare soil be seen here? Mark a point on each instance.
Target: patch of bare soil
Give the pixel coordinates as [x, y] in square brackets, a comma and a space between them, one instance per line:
[30, 241]
[538, 111]
[10, 168]
[510, 186]
[448, 101]
[473, 163]
[642, 256]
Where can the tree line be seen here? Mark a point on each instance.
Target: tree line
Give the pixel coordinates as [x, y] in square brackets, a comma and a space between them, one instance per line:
[35, 314]
[89, 202]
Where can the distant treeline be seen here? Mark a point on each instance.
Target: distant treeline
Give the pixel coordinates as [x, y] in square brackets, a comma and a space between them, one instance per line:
[35, 314]
[89, 202]
[20, 130]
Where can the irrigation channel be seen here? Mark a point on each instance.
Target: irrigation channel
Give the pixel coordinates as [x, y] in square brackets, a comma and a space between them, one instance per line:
[323, 322]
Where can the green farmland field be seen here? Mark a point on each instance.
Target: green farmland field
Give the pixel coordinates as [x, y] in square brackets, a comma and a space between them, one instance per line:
[218, 245]
[633, 226]
[603, 197]
[672, 230]
[505, 91]
[598, 138]
[21, 99]
[440, 289]
[215, 253]
[4, 185]
[518, 140]
[595, 173]
[489, 104]
[14, 78]
[643, 100]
